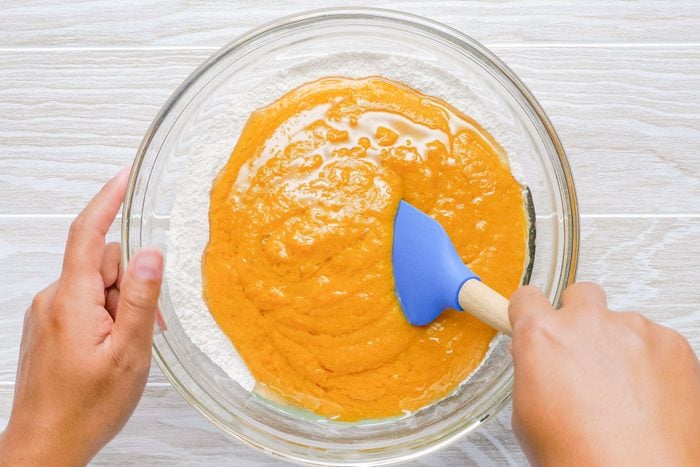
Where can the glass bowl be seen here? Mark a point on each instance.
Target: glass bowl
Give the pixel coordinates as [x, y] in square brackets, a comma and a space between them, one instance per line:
[239, 68]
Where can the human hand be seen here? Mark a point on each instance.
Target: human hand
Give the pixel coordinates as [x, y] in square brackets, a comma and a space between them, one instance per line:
[595, 387]
[86, 345]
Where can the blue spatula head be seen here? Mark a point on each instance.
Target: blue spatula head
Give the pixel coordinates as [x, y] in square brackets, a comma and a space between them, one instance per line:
[428, 271]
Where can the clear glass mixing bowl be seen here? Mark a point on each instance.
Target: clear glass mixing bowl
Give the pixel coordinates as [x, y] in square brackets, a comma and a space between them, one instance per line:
[239, 68]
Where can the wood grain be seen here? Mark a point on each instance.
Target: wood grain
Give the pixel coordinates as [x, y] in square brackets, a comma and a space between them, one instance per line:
[481, 301]
[82, 115]
[81, 81]
[629, 120]
[647, 264]
[44, 23]
[164, 430]
[78, 120]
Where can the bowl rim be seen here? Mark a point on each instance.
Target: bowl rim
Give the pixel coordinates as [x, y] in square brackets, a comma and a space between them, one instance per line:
[562, 171]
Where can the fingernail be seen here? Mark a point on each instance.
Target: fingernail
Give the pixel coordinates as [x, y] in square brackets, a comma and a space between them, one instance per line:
[148, 264]
[160, 323]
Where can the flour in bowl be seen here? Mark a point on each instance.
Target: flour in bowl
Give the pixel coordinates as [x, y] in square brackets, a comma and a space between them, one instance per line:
[189, 224]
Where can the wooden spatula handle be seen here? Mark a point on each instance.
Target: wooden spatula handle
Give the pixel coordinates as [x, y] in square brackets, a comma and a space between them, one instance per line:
[483, 302]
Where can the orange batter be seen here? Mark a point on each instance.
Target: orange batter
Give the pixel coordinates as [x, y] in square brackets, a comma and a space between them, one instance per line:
[298, 269]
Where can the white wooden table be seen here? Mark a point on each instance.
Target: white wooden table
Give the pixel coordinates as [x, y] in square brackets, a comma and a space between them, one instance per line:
[80, 82]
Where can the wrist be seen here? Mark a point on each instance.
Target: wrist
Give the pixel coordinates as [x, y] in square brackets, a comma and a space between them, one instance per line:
[22, 444]
[3, 454]
[7, 456]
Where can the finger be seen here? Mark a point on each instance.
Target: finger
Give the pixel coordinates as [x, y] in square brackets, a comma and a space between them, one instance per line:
[584, 293]
[526, 302]
[111, 259]
[138, 301]
[112, 301]
[86, 239]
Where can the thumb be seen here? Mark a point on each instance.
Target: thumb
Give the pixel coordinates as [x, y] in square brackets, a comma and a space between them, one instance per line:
[138, 300]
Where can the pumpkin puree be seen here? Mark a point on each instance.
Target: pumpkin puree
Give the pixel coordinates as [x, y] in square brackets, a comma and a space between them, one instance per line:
[298, 269]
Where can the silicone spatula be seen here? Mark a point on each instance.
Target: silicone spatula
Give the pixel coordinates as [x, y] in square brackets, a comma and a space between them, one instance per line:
[431, 277]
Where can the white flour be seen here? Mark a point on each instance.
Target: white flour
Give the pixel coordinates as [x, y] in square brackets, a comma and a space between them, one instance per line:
[189, 223]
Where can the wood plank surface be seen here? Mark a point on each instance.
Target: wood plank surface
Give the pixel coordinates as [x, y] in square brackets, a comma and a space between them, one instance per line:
[632, 111]
[165, 430]
[131, 23]
[81, 80]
